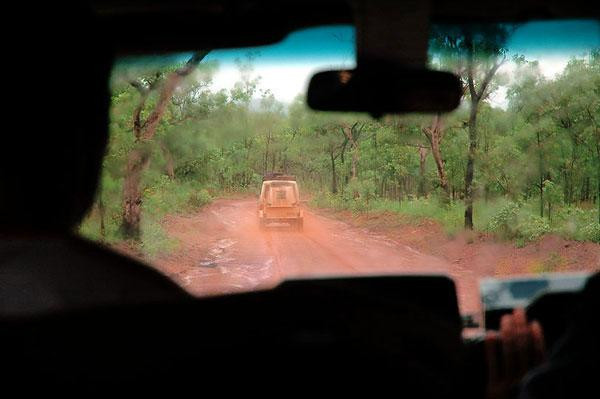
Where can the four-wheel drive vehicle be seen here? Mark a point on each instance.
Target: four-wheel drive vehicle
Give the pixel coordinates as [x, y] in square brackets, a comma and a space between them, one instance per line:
[279, 201]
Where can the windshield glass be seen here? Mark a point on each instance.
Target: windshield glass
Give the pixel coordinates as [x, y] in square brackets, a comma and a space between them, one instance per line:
[508, 184]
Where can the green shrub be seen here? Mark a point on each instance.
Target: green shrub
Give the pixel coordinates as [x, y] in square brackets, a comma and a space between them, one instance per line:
[532, 228]
[327, 200]
[591, 232]
[577, 224]
[198, 199]
[505, 222]
[154, 239]
[514, 222]
[509, 220]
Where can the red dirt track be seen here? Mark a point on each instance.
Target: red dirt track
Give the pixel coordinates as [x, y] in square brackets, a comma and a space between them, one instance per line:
[223, 251]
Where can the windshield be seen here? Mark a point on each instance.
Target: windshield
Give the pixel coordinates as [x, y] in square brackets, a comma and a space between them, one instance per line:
[508, 184]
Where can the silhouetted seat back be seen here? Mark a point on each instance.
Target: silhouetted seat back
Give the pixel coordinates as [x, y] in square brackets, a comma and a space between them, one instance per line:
[396, 332]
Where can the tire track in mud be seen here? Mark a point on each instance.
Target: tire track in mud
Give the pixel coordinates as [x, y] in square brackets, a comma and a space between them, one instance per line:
[223, 251]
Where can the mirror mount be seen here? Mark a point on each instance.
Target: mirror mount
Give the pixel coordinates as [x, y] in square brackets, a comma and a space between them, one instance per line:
[391, 56]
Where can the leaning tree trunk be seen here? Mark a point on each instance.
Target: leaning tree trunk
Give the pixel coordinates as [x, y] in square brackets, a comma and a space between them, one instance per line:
[354, 164]
[598, 179]
[169, 162]
[144, 131]
[352, 134]
[137, 161]
[470, 166]
[349, 133]
[439, 163]
[434, 135]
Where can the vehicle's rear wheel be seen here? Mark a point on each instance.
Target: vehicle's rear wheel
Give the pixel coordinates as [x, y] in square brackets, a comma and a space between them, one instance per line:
[300, 224]
[261, 224]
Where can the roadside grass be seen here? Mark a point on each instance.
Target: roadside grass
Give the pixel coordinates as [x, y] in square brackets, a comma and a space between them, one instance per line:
[515, 221]
[552, 263]
[163, 197]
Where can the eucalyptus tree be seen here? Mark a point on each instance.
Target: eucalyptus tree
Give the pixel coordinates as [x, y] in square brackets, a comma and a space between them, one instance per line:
[475, 53]
[145, 123]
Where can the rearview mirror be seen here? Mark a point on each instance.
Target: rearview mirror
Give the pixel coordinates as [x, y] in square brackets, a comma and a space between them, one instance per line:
[385, 89]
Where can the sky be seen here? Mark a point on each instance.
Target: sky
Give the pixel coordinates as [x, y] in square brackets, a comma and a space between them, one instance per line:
[553, 44]
[286, 67]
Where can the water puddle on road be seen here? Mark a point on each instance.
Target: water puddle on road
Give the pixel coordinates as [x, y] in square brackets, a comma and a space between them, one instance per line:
[220, 271]
[216, 255]
[228, 278]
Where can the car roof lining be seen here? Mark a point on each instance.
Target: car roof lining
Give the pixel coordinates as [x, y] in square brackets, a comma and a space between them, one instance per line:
[181, 25]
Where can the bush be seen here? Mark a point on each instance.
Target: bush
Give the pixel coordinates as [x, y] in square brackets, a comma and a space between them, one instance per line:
[508, 220]
[358, 196]
[591, 232]
[505, 222]
[577, 224]
[199, 198]
[532, 228]
[154, 239]
[449, 215]
[327, 200]
[167, 196]
[512, 222]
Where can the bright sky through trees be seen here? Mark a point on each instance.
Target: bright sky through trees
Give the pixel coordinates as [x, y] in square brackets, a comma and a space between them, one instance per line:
[286, 67]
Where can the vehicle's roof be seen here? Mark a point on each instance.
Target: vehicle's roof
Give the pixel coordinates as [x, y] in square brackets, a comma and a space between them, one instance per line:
[193, 24]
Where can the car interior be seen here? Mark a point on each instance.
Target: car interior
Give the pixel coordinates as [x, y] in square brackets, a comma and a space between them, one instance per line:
[398, 335]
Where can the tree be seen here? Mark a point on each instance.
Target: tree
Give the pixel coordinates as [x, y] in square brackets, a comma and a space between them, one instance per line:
[352, 135]
[475, 53]
[482, 71]
[335, 147]
[144, 131]
[434, 135]
[552, 196]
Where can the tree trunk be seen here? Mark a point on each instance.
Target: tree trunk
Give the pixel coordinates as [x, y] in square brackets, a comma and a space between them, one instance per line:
[352, 134]
[139, 157]
[334, 188]
[476, 95]
[541, 172]
[266, 164]
[169, 166]
[434, 135]
[439, 163]
[598, 178]
[132, 197]
[422, 158]
[354, 162]
[541, 186]
[471, 165]
[102, 214]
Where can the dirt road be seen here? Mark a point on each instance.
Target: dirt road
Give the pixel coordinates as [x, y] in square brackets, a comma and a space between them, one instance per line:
[222, 251]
